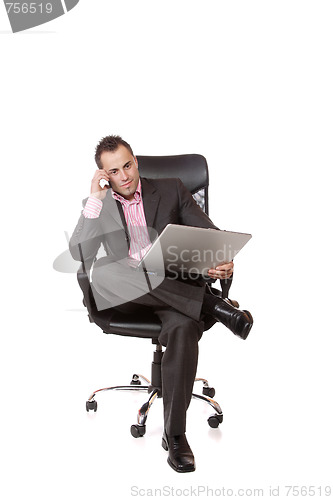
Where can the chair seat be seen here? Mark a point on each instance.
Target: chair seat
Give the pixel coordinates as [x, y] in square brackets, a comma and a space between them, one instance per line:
[144, 324]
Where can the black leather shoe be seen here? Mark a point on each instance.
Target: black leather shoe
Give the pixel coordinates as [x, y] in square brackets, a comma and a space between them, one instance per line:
[238, 321]
[180, 458]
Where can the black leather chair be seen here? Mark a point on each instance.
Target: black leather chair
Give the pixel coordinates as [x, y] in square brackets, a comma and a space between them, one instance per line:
[193, 171]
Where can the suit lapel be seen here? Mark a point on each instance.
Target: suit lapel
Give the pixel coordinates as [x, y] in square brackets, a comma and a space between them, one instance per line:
[113, 214]
[151, 199]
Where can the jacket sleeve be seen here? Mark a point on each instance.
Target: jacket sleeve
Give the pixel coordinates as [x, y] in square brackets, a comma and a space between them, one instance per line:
[87, 235]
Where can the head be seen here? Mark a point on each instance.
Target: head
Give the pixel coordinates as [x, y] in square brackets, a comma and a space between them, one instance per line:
[115, 156]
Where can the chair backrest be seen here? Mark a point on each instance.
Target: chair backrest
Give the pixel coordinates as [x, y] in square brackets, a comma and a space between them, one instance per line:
[191, 169]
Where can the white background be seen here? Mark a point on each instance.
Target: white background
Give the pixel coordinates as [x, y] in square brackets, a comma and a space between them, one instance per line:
[249, 85]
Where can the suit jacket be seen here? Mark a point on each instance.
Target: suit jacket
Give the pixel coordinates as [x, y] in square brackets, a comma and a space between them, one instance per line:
[165, 201]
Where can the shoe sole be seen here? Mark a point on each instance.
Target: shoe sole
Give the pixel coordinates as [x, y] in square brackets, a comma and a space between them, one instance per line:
[247, 330]
[190, 469]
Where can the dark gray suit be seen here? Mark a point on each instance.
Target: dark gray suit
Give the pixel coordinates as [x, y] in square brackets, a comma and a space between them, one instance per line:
[177, 303]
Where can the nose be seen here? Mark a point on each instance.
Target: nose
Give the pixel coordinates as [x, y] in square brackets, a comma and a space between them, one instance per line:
[123, 176]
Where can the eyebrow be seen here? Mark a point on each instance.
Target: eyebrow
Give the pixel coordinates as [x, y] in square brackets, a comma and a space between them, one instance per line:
[127, 163]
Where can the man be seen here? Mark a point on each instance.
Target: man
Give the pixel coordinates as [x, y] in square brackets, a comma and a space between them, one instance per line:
[125, 213]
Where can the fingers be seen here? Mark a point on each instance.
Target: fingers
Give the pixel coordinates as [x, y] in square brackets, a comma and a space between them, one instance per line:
[222, 271]
[100, 175]
[221, 275]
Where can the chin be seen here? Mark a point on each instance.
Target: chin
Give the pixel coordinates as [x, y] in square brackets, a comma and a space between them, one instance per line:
[129, 192]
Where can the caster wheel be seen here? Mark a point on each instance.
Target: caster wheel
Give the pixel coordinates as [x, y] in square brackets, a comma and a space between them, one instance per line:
[208, 391]
[215, 420]
[138, 430]
[135, 380]
[91, 405]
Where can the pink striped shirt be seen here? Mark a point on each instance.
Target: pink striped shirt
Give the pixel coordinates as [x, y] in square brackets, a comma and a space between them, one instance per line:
[135, 220]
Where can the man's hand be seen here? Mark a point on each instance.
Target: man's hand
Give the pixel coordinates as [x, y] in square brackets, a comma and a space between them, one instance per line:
[96, 190]
[222, 271]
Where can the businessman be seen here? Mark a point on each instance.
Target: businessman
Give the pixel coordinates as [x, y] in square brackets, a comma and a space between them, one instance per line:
[125, 213]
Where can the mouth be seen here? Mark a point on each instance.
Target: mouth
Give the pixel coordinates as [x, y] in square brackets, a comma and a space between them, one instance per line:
[127, 184]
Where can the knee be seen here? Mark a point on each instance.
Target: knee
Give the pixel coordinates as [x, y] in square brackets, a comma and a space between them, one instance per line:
[185, 334]
[191, 328]
[104, 269]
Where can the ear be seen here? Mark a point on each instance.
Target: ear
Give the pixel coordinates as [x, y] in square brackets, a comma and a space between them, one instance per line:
[136, 161]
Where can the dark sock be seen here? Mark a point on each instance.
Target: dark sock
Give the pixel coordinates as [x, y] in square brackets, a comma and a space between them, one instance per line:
[209, 303]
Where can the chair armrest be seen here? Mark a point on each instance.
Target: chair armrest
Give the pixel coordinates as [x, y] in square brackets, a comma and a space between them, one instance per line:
[83, 277]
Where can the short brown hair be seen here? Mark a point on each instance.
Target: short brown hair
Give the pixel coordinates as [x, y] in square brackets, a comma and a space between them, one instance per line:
[109, 143]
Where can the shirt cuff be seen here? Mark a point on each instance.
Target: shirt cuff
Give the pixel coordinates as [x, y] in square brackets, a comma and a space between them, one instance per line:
[92, 208]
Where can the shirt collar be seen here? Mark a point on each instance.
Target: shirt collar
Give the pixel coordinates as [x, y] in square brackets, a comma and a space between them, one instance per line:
[123, 201]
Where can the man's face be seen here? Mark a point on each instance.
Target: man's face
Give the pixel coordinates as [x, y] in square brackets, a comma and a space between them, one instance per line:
[122, 169]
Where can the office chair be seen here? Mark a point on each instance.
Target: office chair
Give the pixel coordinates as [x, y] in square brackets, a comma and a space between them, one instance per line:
[192, 169]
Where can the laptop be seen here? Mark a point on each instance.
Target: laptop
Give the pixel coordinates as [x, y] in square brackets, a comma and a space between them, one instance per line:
[191, 250]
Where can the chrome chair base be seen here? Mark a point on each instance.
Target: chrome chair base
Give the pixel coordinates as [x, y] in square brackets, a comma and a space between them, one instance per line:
[139, 429]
